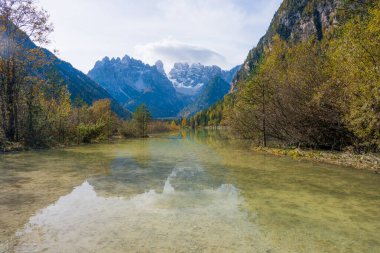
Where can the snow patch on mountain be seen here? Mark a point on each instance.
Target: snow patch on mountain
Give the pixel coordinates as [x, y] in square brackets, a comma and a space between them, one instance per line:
[194, 77]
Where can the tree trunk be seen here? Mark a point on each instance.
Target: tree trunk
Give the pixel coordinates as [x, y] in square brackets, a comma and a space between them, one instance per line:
[264, 118]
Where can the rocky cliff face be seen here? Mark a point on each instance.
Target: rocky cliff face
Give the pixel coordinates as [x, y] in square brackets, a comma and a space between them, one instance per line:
[296, 20]
[131, 83]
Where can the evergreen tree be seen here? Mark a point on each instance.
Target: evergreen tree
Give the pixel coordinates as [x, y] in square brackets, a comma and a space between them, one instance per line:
[141, 119]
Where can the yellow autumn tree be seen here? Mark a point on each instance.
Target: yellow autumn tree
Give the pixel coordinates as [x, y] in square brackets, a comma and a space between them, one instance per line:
[184, 122]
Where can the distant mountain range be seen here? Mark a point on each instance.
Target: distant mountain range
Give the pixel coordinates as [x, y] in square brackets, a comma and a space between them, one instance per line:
[128, 82]
[131, 83]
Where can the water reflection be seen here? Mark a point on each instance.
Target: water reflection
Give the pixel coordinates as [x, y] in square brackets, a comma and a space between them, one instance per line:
[34, 180]
[185, 215]
[193, 192]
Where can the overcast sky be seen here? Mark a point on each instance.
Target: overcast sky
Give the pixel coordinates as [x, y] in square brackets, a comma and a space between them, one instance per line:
[219, 32]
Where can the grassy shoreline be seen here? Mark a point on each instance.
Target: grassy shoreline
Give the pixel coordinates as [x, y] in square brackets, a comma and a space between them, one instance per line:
[15, 147]
[369, 161]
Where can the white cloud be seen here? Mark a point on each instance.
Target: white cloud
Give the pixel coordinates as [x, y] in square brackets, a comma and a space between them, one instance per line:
[172, 51]
[88, 30]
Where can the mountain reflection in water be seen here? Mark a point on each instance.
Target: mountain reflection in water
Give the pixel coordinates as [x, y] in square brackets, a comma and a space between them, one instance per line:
[196, 191]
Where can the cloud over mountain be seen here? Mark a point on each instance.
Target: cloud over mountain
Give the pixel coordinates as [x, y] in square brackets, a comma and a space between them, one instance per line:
[171, 51]
[115, 27]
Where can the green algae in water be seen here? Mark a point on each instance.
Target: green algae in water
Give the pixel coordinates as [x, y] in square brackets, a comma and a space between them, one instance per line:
[195, 192]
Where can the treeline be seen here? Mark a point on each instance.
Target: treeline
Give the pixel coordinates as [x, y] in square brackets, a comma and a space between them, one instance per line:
[213, 116]
[320, 94]
[47, 118]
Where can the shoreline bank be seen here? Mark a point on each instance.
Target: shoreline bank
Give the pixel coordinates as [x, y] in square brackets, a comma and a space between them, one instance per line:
[370, 162]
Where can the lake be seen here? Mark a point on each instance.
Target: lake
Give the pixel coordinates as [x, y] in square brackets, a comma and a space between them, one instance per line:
[187, 192]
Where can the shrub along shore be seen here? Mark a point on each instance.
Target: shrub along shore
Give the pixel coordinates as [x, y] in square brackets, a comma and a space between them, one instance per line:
[95, 124]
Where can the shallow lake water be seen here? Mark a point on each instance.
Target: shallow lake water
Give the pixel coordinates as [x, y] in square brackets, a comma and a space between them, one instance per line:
[188, 192]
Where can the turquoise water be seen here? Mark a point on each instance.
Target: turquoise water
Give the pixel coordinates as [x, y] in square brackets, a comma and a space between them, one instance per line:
[189, 192]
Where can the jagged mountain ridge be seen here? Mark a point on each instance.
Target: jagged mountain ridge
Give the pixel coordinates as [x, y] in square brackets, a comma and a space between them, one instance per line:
[133, 82]
[192, 76]
[295, 21]
[189, 79]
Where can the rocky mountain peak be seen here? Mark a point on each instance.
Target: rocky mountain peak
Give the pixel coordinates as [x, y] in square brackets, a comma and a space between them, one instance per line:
[126, 59]
[160, 67]
[195, 76]
[132, 83]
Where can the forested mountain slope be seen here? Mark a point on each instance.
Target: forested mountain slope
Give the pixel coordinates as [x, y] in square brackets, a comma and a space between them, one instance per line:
[313, 80]
[295, 21]
[44, 64]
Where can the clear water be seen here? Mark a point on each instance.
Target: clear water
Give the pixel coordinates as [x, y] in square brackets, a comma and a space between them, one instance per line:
[193, 192]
